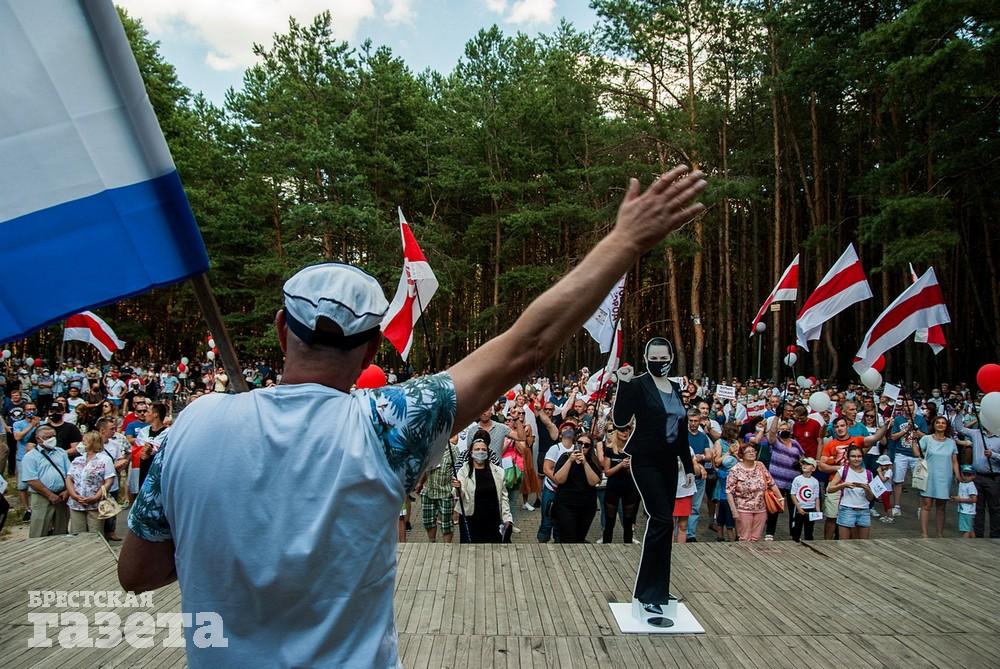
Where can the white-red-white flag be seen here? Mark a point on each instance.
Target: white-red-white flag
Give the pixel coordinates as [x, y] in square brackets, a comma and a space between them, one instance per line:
[786, 290]
[417, 285]
[91, 329]
[845, 284]
[601, 325]
[933, 337]
[919, 306]
[597, 385]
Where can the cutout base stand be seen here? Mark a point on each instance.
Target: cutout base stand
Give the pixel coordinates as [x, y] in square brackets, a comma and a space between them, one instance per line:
[675, 619]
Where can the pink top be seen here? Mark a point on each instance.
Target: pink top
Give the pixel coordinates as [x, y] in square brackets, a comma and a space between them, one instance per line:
[747, 487]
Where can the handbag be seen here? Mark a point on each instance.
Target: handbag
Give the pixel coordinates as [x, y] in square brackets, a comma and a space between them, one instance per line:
[774, 503]
[108, 507]
[921, 475]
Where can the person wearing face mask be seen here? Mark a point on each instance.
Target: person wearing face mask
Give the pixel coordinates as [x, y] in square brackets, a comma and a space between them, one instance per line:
[68, 436]
[44, 469]
[577, 474]
[484, 497]
[658, 440]
[783, 467]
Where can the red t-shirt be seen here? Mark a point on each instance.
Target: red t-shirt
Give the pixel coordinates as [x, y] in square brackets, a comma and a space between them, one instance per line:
[836, 449]
[808, 434]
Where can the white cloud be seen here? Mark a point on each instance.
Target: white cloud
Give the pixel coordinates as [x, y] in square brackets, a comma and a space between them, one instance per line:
[531, 11]
[230, 27]
[496, 6]
[400, 11]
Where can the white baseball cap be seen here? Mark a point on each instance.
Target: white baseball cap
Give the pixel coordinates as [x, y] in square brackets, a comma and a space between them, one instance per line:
[348, 296]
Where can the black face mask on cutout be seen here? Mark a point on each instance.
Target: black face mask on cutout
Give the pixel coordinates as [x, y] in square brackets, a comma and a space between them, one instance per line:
[659, 369]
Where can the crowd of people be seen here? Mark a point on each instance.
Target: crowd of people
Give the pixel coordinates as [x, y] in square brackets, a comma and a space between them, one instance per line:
[762, 455]
[79, 432]
[550, 446]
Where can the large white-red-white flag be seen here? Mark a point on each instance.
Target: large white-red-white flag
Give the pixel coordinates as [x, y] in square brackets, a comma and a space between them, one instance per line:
[919, 306]
[91, 329]
[786, 290]
[597, 385]
[601, 325]
[417, 285]
[933, 337]
[845, 284]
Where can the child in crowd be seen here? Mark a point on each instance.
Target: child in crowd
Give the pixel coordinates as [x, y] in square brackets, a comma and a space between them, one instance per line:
[805, 497]
[884, 471]
[725, 523]
[966, 499]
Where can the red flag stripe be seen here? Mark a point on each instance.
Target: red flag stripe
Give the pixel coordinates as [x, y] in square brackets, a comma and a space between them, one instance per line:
[930, 296]
[840, 282]
[96, 331]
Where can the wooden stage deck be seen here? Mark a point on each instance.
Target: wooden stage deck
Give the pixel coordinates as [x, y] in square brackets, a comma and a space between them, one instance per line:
[845, 604]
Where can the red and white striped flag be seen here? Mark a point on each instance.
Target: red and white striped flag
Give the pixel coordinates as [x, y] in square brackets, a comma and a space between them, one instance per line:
[417, 285]
[597, 385]
[933, 337]
[786, 290]
[91, 329]
[919, 306]
[601, 326]
[845, 284]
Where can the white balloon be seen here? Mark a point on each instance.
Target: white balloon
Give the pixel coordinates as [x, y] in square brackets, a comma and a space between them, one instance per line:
[761, 326]
[185, 360]
[802, 381]
[6, 354]
[791, 359]
[211, 343]
[210, 355]
[806, 382]
[989, 412]
[871, 378]
[819, 401]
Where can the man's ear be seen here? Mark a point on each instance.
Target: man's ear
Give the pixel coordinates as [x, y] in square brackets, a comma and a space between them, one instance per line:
[282, 329]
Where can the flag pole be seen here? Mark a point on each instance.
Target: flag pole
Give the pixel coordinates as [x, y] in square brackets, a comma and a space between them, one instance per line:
[213, 316]
[597, 407]
[451, 451]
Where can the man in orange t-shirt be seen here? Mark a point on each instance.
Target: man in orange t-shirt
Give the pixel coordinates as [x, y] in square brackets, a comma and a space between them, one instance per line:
[834, 459]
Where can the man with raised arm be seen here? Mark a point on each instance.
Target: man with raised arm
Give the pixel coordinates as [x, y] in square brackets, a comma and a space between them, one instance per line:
[276, 509]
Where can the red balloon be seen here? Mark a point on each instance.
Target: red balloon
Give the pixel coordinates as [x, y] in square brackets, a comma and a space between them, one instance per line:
[371, 376]
[181, 367]
[38, 362]
[511, 395]
[988, 378]
[879, 364]
[215, 350]
[792, 349]
[813, 379]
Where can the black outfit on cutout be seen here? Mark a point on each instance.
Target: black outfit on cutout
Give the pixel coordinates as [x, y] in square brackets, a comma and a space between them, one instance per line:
[654, 468]
[576, 502]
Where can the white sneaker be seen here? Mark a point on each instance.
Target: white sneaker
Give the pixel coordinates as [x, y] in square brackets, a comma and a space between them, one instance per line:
[599, 541]
[875, 514]
[636, 541]
[517, 530]
[887, 519]
[896, 511]
[768, 537]
[528, 507]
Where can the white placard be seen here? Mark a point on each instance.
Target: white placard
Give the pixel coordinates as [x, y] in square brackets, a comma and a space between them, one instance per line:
[815, 515]
[877, 486]
[507, 462]
[891, 391]
[725, 392]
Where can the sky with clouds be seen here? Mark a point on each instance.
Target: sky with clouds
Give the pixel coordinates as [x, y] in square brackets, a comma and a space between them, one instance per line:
[210, 41]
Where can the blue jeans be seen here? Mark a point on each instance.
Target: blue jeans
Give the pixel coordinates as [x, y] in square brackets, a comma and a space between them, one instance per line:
[699, 495]
[546, 529]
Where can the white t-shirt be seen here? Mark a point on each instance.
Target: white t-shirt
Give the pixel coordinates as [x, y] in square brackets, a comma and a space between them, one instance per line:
[116, 388]
[966, 489]
[306, 577]
[855, 498]
[553, 454]
[806, 491]
[114, 450]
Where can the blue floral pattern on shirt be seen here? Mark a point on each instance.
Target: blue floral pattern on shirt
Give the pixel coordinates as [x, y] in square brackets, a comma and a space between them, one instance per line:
[413, 421]
[147, 520]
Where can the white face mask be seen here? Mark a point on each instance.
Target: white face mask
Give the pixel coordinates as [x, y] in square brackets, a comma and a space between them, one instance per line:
[480, 456]
[49, 443]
